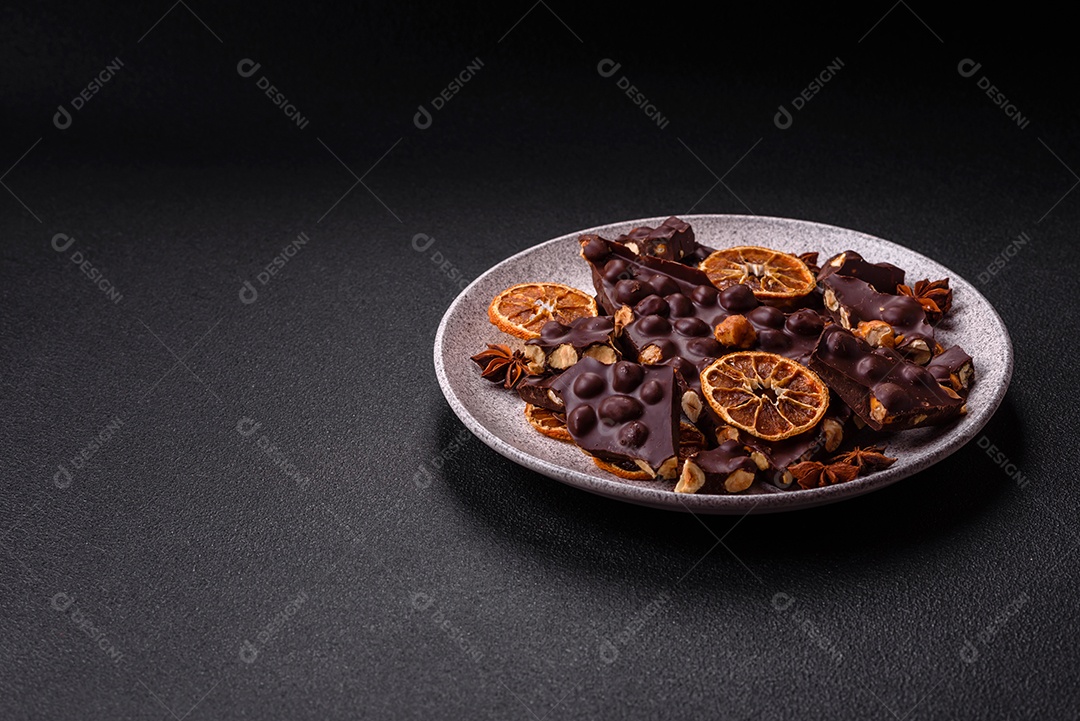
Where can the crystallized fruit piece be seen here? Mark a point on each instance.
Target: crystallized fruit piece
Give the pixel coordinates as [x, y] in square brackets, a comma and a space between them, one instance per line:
[547, 422]
[765, 394]
[523, 309]
[769, 273]
[561, 346]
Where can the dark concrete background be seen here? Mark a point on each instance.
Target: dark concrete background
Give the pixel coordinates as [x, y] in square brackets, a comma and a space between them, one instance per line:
[135, 583]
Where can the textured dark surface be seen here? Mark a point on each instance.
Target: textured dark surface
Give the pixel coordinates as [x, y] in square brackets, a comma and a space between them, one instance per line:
[429, 577]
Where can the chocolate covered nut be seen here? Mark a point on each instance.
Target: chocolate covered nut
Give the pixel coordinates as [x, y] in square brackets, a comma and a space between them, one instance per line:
[851, 301]
[953, 368]
[623, 412]
[727, 467]
[561, 346]
[884, 277]
[672, 240]
[882, 387]
[537, 390]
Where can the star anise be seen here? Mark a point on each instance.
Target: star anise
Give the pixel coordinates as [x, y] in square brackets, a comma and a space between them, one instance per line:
[935, 297]
[499, 364]
[866, 459]
[814, 474]
[810, 259]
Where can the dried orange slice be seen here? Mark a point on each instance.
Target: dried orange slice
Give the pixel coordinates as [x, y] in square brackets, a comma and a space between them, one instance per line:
[765, 394]
[769, 273]
[546, 422]
[630, 473]
[522, 310]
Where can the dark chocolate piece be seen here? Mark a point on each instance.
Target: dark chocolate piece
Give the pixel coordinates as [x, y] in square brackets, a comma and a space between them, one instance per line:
[727, 467]
[623, 412]
[953, 368]
[776, 456]
[880, 385]
[672, 240]
[622, 277]
[851, 301]
[561, 346]
[537, 390]
[884, 277]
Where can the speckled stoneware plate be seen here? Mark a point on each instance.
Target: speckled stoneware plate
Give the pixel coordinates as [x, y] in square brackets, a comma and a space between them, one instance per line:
[496, 415]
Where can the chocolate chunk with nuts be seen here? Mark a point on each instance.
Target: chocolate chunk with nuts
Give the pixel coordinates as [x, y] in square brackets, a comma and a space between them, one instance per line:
[561, 346]
[672, 240]
[623, 412]
[851, 302]
[953, 368]
[727, 467]
[883, 388]
[884, 277]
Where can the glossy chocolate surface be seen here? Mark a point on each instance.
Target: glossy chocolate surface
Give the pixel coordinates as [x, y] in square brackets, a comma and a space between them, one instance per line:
[672, 240]
[859, 302]
[884, 277]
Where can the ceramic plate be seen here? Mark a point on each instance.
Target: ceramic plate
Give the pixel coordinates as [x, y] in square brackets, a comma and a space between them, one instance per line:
[496, 416]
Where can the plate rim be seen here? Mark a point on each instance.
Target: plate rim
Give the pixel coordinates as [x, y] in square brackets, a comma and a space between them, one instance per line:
[715, 503]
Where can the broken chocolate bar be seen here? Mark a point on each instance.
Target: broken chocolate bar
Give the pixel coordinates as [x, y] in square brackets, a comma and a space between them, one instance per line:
[561, 346]
[727, 467]
[623, 412]
[953, 368]
[537, 390]
[859, 308]
[672, 240]
[884, 277]
[883, 388]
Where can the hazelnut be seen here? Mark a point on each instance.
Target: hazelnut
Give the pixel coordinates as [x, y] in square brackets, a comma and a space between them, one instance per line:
[563, 357]
[623, 317]
[603, 353]
[877, 410]
[759, 460]
[669, 469]
[877, 333]
[735, 331]
[830, 300]
[691, 405]
[651, 355]
[738, 481]
[691, 480]
[726, 433]
[834, 433]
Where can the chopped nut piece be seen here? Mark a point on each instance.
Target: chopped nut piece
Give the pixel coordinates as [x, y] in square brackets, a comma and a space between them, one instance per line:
[830, 299]
[738, 481]
[691, 480]
[651, 355]
[877, 410]
[918, 352]
[691, 405]
[834, 433]
[536, 358]
[735, 331]
[759, 459]
[563, 357]
[603, 353]
[669, 468]
[877, 333]
[643, 465]
[623, 317]
[726, 433]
